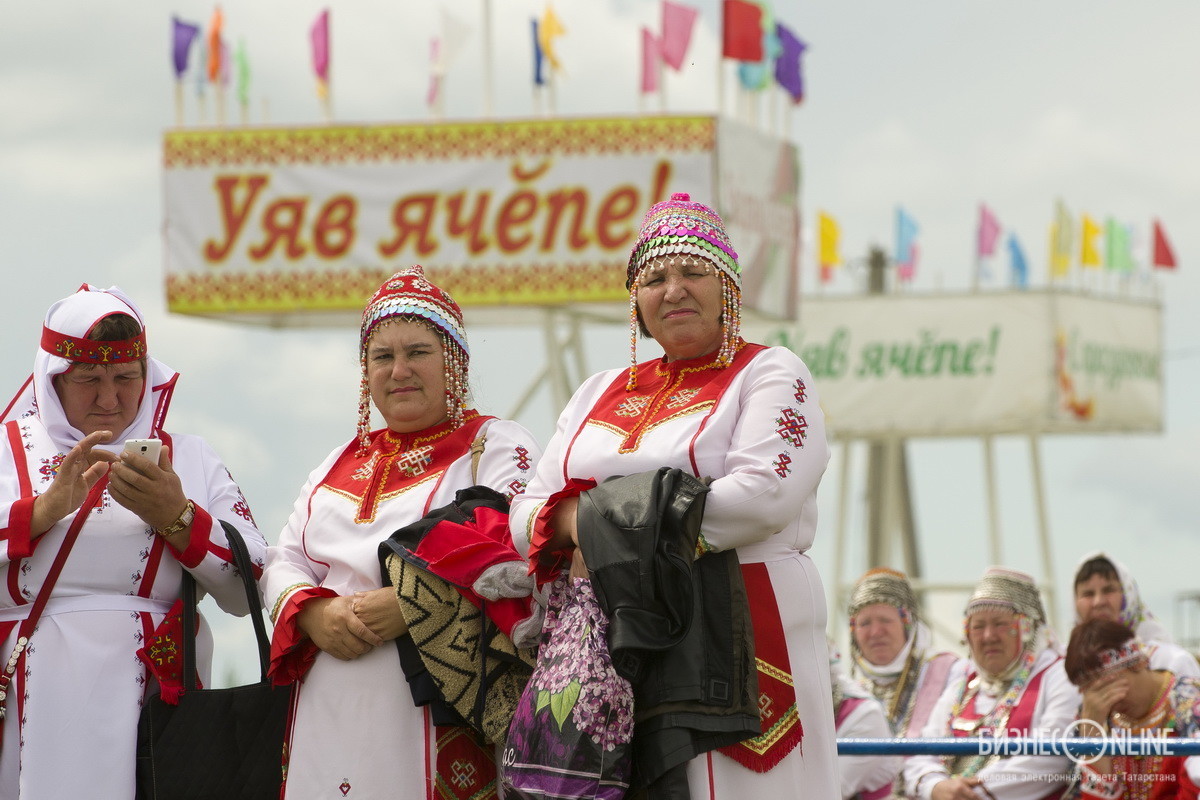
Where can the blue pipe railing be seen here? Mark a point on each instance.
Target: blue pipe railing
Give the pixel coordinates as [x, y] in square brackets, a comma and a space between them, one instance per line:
[1074, 747]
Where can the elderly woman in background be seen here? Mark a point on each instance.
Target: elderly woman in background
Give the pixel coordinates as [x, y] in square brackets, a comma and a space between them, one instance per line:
[1013, 685]
[745, 416]
[858, 715]
[893, 652]
[1122, 693]
[125, 529]
[356, 730]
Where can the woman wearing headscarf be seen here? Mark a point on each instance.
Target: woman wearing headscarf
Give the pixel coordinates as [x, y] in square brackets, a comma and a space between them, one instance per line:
[356, 731]
[111, 536]
[1105, 589]
[745, 416]
[1012, 685]
[892, 650]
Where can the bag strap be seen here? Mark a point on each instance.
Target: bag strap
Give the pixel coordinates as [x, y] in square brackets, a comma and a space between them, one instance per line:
[477, 451]
[39, 604]
[241, 560]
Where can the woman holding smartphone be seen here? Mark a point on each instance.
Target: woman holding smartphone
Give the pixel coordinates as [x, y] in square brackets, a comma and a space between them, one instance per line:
[94, 539]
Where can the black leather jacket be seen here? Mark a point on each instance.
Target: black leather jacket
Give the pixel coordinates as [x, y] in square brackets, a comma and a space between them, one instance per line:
[680, 627]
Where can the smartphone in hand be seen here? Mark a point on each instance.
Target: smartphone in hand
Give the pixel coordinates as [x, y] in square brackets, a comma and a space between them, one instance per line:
[146, 448]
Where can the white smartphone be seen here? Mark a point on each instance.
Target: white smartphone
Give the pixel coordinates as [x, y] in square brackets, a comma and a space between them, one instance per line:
[146, 448]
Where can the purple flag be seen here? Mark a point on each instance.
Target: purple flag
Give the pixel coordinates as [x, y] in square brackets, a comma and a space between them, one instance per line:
[787, 64]
[183, 34]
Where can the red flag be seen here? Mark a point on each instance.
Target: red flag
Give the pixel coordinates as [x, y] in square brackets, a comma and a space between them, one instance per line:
[651, 53]
[677, 22]
[1164, 256]
[214, 45]
[743, 34]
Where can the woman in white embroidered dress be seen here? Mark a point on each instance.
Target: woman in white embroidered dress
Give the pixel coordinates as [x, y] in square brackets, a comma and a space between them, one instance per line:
[747, 417]
[71, 710]
[1013, 684]
[356, 732]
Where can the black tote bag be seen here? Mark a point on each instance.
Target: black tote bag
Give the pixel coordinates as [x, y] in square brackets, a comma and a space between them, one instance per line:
[217, 744]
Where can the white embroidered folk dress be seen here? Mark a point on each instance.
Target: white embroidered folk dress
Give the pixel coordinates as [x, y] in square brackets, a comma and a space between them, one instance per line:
[356, 732]
[1012, 777]
[72, 711]
[763, 442]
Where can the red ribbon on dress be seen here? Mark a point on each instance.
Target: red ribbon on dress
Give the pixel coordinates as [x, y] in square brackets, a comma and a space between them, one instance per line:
[781, 725]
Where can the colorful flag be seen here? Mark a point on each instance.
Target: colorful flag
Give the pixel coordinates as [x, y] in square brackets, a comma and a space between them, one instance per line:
[1118, 250]
[906, 245]
[1020, 269]
[677, 23]
[1062, 240]
[243, 73]
[549, 30]
[539, 58]
[435, 72]
[988, 234]
[756, 75]
[742, 30]
[214, 45]
[1089, 253]
[828, 235]
[788, 72]
[182, 36]
[1163, 257]
[319, 35]
[651, 53]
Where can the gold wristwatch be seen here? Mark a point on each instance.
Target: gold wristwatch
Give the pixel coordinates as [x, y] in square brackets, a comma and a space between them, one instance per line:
[181, 524]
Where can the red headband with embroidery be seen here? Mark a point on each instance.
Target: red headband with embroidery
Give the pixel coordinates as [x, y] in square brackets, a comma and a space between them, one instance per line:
[90, 351]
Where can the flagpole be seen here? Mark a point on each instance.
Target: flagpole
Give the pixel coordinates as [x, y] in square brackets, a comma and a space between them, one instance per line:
[487, 58]
[178, 102]
[720, 84]
[662, 84]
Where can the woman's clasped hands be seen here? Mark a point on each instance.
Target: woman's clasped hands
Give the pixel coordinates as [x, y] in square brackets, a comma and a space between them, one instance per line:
[349, 626]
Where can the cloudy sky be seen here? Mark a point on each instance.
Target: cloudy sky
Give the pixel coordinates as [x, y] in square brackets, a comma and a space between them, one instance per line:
[938, 105]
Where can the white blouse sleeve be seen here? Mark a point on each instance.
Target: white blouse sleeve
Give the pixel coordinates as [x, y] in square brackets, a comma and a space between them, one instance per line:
[776, 457]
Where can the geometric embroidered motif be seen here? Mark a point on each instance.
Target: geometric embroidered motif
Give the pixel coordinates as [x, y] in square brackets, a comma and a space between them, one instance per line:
[50, 466]
[463, 774]
[415, 462]
[682, 397]
[783, 465]
[514, 488]
[792, 427]
[801, 391]
[632, 406]
[364, 472]
[521, 457]
[764, 706]
[345, 787]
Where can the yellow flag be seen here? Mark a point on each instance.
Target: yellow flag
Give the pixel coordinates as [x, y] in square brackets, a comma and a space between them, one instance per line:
[1089, 253]
[549, 30]
[1061, 241]
[828, 234]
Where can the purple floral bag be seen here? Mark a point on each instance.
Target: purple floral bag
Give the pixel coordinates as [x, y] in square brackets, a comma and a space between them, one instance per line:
[571, 731]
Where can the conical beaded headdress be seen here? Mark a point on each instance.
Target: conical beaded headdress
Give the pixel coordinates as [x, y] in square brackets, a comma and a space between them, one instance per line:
[883, 585]
[681, 227]
[408, 294]
[1008, 588]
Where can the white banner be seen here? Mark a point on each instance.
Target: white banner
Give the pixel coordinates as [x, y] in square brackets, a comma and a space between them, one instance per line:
[527, 212]
[986, 363]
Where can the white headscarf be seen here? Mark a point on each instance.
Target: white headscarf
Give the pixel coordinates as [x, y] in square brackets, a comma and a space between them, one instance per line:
[75, 316]
[1134, 613]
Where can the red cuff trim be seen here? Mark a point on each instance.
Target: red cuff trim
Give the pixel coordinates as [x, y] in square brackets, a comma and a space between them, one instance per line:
[292, 652]
[197, 547]
[546, 564]
[18, 532]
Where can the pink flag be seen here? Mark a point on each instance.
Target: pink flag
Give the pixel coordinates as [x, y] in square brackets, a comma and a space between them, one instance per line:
[320, 46]
[989, 232]
[651, 53]
[677, 23]
[435, 72]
